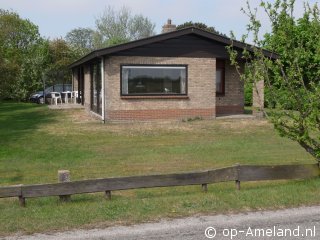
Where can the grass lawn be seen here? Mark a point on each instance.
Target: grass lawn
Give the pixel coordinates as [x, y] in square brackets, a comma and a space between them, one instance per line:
[36, 142]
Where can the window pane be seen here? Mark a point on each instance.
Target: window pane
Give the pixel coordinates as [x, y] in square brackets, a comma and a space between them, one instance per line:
[125, 76]
[153, 80]
[218, 80]
[220, 76]
[183, 82]
[96, 83]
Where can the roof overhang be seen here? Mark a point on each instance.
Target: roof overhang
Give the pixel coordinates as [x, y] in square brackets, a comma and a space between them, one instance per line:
[165, 36]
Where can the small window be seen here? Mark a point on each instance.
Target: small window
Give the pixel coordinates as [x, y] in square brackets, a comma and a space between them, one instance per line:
[153, 80]
[220, 77]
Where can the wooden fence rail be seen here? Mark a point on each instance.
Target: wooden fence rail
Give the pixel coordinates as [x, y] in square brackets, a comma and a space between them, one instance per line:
[236, 173]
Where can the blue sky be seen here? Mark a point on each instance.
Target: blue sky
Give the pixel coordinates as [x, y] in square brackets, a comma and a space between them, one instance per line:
[56, 17]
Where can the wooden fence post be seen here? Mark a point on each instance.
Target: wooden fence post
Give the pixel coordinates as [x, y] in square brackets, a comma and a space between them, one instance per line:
[237, 166]
[238, 185]
[22, 201]
[205, 187]
[108, 195]
[64, 176]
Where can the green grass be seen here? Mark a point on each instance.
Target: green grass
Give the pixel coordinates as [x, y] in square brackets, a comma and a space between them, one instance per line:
[36, 142]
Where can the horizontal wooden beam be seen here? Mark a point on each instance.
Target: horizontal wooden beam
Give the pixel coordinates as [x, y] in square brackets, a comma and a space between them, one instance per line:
[124, 183]
[280, 172]
[236, 173]
[12, 191]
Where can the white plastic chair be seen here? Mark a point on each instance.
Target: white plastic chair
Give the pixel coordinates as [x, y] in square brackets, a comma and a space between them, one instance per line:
[66, 96]
[55, 96]
[74, 96]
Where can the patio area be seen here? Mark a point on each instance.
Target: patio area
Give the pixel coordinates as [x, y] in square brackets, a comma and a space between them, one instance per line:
[66, 106]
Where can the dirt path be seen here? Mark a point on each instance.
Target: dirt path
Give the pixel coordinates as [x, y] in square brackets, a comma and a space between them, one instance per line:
[237, 226]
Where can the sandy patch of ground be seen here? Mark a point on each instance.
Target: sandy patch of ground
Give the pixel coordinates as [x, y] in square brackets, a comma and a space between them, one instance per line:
[81, 121]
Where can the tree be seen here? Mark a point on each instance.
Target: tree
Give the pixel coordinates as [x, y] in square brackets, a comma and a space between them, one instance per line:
[81, 40]
[292, 79]
[115, 27]
[60, 56]
[304, 32]
[198, 25]
[140, 27]
[20, 66]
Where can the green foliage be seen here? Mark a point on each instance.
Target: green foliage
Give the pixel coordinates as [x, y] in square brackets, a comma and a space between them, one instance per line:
[198, 25]
[115, 41]
[27, 58]
[81, 40]
[247, 94]
[292, 80]
[301, 34]
[20, 49]
[114, 27]
[60, 56]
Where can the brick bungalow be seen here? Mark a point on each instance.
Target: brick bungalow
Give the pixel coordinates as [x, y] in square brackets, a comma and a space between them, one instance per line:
[174, 75]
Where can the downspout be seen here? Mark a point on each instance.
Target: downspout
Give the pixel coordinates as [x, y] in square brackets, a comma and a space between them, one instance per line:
[103, 90]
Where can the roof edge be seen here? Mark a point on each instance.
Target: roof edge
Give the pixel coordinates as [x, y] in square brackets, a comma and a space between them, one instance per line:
[164, 36]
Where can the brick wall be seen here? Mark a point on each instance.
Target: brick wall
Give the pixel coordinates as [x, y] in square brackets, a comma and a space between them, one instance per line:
[201, 91]
[233, 100]
[152, 114]
[200, 101]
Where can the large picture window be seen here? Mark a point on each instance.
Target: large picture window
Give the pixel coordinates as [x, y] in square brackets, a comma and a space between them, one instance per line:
[153, 80]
